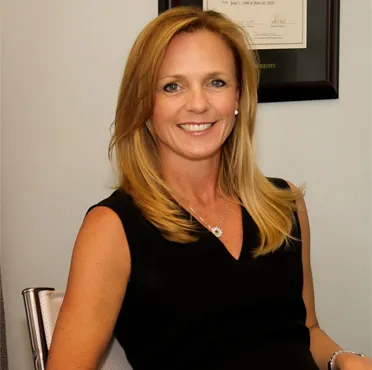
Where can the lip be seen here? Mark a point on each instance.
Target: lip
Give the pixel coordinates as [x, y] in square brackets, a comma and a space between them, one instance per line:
[197, 133]
[197, 123]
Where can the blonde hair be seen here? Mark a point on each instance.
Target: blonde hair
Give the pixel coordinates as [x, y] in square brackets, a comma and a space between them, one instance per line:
[135, 147]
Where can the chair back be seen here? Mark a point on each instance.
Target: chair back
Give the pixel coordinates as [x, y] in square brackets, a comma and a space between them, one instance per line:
[42, 307]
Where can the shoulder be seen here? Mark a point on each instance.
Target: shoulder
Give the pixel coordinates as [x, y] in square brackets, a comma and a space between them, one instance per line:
[300, 198]
[301, 209]
[300, 214]
[102, 227]
[279, 182]
[102, 241]
[100, 215]
[119, 203]
[103, 222]
[120, 210]
[117, 200]
[297, 197]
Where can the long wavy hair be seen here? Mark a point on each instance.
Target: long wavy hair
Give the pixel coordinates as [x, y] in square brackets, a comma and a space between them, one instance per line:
[134, 145]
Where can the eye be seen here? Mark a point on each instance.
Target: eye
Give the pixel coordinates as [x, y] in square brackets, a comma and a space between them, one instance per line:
[217, 83]
[172, 87]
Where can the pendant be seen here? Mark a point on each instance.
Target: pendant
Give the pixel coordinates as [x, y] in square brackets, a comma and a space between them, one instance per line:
[217, 231]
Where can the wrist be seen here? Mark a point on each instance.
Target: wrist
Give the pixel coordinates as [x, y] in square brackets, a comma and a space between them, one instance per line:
[339, 358]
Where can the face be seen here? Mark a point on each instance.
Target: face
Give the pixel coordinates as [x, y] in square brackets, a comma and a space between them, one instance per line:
[196, 96]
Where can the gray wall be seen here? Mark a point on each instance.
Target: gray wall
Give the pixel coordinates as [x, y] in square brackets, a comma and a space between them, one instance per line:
[61, 67]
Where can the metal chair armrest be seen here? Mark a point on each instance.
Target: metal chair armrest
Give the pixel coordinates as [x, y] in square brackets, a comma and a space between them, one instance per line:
[35, 326]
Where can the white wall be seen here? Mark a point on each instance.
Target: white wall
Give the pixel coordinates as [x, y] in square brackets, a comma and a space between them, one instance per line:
[61, 67]
[62, 64]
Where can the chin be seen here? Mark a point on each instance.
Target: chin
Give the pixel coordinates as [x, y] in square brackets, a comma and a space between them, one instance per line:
[202, 155]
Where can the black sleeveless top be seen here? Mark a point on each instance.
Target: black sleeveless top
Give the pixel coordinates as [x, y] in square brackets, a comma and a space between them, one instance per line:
[194, 306]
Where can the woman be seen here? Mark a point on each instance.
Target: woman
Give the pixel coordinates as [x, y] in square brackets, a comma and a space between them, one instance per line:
[196, 261]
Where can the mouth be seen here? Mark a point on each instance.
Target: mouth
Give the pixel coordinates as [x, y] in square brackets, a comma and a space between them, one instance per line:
[196, 127]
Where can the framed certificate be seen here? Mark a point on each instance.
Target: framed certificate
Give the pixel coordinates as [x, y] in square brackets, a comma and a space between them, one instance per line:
[297, 42]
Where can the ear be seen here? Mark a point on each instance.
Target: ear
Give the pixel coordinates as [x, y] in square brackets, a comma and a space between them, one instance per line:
[237, 98]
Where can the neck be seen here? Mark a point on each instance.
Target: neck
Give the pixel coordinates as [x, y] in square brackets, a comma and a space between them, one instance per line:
[194, 182]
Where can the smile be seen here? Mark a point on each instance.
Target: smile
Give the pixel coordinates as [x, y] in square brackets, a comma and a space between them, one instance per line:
[192, 127]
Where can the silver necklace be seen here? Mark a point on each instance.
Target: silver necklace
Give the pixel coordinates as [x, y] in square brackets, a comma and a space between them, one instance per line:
[215, 230]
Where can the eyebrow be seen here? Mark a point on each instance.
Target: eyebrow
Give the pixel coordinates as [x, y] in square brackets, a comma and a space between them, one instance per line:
[181, 76]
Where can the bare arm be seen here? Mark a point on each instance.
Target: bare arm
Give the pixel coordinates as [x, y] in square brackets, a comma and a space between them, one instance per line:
[321, 345]
[97, 282]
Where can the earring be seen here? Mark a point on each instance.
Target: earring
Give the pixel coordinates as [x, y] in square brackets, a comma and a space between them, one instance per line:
[236, 112]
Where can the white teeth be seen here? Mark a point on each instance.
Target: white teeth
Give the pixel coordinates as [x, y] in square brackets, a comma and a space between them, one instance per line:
[196, 127]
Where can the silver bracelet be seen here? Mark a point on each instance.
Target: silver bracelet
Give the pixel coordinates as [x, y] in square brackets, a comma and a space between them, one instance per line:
[332, 359]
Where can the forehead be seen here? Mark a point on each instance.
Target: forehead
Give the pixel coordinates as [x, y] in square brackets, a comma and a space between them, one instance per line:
[197, 51]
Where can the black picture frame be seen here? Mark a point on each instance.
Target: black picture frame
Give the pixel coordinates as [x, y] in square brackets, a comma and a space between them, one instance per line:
[299, 74]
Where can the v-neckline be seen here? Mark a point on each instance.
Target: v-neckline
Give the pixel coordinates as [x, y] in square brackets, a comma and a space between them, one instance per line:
[209, 234]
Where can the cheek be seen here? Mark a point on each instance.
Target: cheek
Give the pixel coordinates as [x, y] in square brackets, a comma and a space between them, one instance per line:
[164, 110]
[159, 115]
[164, 116]
[226, 112]
[226, 105]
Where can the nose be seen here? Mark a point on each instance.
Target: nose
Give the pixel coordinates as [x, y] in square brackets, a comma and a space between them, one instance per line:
[197, 101]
